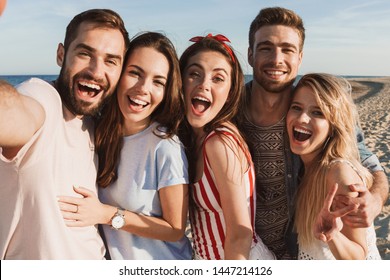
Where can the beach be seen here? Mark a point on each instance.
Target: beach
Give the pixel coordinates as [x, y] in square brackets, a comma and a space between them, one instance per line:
[372, 97]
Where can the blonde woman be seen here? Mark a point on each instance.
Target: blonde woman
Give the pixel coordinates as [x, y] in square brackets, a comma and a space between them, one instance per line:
[321, 125]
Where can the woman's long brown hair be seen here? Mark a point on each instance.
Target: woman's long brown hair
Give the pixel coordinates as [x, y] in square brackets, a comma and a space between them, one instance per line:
[109, 129]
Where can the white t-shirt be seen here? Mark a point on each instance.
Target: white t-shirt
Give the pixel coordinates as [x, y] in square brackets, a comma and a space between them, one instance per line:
[319, 250]
[60, 155]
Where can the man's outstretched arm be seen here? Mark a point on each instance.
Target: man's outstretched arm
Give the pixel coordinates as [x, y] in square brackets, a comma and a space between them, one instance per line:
[20, 118]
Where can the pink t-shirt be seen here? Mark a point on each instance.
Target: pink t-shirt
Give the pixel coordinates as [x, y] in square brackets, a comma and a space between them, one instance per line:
[60, 155]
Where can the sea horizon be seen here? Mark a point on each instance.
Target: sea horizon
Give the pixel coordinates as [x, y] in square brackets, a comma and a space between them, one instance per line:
[17, 79]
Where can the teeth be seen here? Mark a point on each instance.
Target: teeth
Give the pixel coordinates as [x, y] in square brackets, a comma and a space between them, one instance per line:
[300, 130]
[139, 102]
[201, 99]
[92, 86]
[275, 72]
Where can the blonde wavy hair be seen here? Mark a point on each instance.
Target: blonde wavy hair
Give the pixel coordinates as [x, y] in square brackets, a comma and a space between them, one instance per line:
[333, 96]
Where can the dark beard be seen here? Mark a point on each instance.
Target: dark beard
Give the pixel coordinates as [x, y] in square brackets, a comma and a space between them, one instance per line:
[274, 87]
[77, 107]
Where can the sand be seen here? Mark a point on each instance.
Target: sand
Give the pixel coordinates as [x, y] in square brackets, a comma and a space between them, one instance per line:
[372, 97]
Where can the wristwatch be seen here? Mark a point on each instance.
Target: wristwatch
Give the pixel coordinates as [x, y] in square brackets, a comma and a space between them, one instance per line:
[118, 220]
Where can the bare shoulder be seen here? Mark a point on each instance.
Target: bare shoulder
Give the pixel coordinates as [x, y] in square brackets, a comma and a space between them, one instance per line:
[342, 173]
[220, 143]
[223, 142]
[225, 149]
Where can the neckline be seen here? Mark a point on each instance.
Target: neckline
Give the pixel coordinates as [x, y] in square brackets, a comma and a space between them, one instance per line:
[279, 122]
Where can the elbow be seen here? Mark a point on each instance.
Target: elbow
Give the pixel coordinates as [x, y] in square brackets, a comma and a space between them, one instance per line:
[247, 239]
[242, 238]
[176, 235]
[361, 252]
[357, 253]
[364, 253]
[237, 248]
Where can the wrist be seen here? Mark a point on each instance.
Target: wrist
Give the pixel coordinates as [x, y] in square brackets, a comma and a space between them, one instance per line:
[109, 212]
[118, 220]
[331, 239]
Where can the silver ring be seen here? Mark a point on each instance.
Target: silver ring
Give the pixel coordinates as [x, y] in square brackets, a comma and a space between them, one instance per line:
[77, 209]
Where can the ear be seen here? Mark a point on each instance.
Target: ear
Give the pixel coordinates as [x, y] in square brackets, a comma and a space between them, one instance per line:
[250, 56]
[60, 54]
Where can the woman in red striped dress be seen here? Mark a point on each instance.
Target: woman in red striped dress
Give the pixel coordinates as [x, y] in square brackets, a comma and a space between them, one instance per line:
[222, 191]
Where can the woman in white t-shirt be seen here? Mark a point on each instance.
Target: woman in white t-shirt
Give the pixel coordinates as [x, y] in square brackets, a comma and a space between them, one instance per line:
[142, 175]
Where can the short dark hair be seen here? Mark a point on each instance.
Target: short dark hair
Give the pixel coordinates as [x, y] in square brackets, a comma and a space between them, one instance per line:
[101, 18]
[277, 16]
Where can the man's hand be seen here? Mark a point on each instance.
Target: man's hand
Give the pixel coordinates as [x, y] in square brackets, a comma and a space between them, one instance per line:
[370, 205]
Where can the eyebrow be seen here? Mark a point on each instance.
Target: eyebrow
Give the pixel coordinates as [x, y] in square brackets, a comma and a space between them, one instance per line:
[299, 103]
[214, 69]
[269, 43]
[89, 48]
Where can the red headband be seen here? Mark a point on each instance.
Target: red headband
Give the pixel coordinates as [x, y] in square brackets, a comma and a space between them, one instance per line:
[220, 38]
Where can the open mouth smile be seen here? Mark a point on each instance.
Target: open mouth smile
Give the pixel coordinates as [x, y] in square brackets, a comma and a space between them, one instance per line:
[301, 134]
[87, 89]
[200, 104]
[137, 103]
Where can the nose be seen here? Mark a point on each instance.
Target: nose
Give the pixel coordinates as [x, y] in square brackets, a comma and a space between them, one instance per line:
[304, 117]
[277, 56]
[204, 84]
[96, 67]
[143, 86]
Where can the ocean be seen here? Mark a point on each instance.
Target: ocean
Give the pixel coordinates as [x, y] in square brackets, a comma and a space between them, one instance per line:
[17, 79]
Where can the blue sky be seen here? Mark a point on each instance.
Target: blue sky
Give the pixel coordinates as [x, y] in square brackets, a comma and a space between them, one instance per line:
[349, 37]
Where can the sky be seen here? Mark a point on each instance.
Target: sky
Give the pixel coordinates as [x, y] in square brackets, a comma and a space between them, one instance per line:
[349, 37]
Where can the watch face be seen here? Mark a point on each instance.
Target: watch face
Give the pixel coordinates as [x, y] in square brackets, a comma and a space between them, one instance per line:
[118, 222]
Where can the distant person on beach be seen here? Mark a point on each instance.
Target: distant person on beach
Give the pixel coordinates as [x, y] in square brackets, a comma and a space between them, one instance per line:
[47, 143]
[321, 125]
[222, 197]
[276, 39]
[143, 172]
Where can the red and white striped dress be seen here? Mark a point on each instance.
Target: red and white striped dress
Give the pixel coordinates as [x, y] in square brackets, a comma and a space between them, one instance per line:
[207, 220]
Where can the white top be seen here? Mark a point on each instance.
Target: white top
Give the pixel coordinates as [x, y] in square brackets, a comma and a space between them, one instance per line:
[319, 250]
[60, 155]
[147, 164]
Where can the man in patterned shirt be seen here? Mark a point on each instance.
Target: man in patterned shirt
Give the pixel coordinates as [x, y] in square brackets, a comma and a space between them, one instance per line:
[276, 39]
